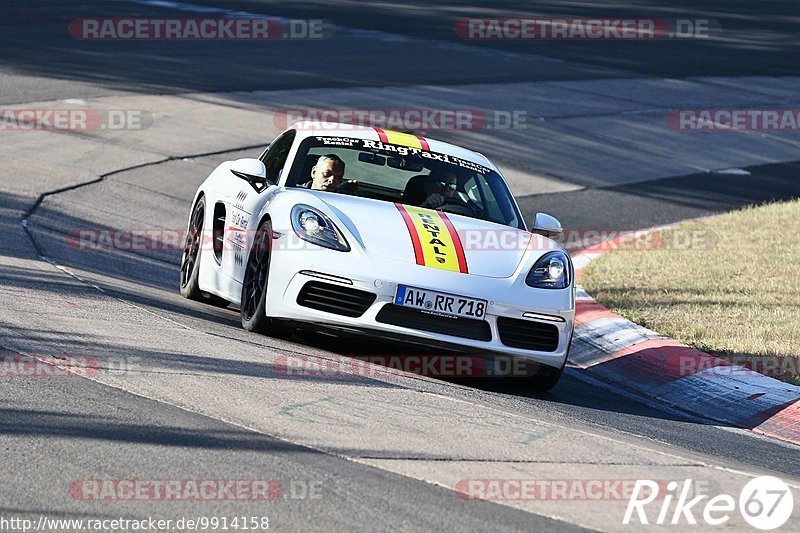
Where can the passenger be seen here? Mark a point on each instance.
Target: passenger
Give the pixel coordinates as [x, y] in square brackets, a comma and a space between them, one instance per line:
[438, 188]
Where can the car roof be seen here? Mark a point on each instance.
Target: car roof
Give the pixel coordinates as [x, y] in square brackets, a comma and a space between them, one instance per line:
[337, 129]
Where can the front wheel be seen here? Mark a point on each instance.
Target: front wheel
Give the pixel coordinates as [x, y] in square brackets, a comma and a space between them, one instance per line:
[254, 285]
[526, 376]
[545, 378]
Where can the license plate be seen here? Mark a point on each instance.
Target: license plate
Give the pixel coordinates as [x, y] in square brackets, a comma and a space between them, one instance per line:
[440, 303]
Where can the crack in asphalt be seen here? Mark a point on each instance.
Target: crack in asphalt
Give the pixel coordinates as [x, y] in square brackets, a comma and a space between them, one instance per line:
[38, 202]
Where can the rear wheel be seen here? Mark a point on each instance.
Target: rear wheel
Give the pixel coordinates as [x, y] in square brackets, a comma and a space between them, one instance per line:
[254, 286]
[190, 262]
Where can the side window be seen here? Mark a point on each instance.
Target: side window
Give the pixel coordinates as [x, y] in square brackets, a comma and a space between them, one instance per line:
[275, 156]
[483, 195]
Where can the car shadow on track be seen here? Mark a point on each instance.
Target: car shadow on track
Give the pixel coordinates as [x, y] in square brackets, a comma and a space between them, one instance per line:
[571, 391]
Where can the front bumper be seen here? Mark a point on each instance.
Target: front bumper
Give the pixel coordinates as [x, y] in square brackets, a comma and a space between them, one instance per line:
[291, 270]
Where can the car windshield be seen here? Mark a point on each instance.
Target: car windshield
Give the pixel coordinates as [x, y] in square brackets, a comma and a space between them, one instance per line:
[412, 176]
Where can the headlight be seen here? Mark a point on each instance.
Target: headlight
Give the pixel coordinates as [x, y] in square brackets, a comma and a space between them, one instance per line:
[552, 271]
[313, 226]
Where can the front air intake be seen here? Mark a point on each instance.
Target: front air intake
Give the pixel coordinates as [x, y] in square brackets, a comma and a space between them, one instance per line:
[527, 334]
[335, 299]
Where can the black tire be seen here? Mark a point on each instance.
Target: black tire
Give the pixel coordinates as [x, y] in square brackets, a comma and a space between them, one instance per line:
[547, 377]
[254, 286]
[190, 261]
[544, 379]
[528, 376]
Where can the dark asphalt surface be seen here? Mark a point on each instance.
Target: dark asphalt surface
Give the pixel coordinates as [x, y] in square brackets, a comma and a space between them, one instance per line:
[73, 428]
[753, 38]
[85, 431]
[669, 200]
[42, 61]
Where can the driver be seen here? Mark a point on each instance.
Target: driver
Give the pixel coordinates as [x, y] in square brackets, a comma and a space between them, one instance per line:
[328, 175]
[438, 188]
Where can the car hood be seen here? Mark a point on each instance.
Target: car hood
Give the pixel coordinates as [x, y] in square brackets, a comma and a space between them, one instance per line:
[435, 239]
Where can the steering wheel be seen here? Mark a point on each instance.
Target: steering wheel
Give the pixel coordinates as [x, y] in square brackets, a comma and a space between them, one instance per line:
[458, 206]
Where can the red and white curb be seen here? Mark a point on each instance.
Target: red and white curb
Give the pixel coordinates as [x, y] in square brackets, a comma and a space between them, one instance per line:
[617, 350]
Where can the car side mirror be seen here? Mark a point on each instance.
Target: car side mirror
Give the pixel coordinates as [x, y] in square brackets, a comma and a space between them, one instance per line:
[252, 171]
[546, 225]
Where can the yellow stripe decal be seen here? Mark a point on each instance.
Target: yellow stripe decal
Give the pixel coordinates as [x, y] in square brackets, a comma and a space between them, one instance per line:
[403, 139]
[438, 248]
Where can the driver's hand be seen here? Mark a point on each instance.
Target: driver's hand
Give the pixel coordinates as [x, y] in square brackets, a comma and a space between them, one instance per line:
[434, 200]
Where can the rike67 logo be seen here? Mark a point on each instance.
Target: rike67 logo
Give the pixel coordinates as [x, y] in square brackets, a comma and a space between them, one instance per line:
[765, 503]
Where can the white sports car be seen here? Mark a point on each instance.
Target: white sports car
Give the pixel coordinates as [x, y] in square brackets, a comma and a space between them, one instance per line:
[385, 233]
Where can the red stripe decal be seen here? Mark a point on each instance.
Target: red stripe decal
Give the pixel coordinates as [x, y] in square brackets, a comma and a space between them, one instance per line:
[462, 259]
[423, 144]
[412, 231]
[382, 136]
